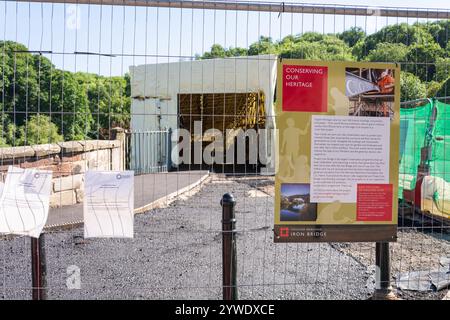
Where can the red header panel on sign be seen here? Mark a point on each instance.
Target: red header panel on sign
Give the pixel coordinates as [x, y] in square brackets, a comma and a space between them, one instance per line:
[305, 88]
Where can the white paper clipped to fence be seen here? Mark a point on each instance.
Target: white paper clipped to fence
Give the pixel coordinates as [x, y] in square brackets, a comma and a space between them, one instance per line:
[24, 201]
[108, 204]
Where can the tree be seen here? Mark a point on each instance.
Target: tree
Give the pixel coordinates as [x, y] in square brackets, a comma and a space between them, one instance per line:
[432, 88]
[311, 37]
[217, 51]
[352, 36]
[8, 132]
[109, 103]
[440, 31]
[31, 84]
[422, 59]
[3, 142]
[388, 52]
[327, 48]
[444, 91]
[71, 105]
[442, 68]
[265, 45]
[236, 52]
[398, 33]
[19, 80]
[411, 88]
[39, 129]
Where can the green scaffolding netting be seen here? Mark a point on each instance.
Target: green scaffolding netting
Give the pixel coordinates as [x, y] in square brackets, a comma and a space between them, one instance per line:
[416, 128]
[440, 157]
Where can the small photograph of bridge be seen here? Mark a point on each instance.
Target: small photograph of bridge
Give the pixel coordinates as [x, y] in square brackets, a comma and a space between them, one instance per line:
[295, 203]
[370, 92]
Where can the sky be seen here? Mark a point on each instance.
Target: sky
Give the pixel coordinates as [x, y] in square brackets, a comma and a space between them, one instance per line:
[139, 35]
[291, 189]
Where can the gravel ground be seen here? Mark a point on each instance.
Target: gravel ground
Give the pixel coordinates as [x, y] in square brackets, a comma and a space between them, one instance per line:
[419, 246]
[413, 251]
[176, 254]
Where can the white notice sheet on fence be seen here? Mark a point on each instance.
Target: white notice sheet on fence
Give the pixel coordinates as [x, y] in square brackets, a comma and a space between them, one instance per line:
[345, 151]
[108, 204]
[24, 201]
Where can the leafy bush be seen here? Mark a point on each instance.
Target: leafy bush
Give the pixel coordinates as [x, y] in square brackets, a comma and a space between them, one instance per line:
[39, 129]
[411, 87]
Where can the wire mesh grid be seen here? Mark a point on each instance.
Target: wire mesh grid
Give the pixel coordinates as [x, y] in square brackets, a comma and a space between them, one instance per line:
[72, 82]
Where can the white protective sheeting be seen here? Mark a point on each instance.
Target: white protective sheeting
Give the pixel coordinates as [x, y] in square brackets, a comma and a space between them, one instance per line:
[108, 204]
[155, 87]
[431, 185]
[24, 201]
[437, 190]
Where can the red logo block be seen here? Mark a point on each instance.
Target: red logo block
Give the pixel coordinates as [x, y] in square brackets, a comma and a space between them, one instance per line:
[284, 232]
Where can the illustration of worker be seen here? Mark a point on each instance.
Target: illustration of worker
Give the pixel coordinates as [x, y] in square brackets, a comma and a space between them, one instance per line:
[290, 145]
[341, 102]
[386, 84]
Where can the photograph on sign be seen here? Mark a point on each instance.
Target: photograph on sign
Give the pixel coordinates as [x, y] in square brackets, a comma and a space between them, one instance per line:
[337, 151]
[24, 201]
[108, 205]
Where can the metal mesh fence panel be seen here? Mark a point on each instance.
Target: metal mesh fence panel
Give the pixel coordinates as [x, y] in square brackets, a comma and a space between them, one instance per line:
[108, 85]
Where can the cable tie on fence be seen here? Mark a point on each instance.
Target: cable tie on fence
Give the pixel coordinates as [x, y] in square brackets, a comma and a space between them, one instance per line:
[282, 9]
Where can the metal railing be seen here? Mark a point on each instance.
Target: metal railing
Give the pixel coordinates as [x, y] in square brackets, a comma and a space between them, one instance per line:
[150, 151]
[267, 6]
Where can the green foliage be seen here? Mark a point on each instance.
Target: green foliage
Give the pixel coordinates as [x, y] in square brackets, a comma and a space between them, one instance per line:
[388, 52]
[8, 132]
[311, 45]
[352, 36]
[265, 45]
[442, 68]
[422, 49]
[398, 33]
[82, 106]
[39, 129]
[329, 48]
[444, 90]
[433, 88]
[440, 31]
[411, 88]
[21, 89]
[422, 59]
[108, 102]
[217, 51]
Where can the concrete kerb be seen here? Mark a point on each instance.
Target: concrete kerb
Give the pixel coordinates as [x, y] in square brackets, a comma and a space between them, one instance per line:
[164, 201]
[159, 203]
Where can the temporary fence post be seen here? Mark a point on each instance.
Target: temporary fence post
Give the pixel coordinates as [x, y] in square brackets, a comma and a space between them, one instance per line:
[38, 268]
[169, 149]
[383, 288]
[229, 262]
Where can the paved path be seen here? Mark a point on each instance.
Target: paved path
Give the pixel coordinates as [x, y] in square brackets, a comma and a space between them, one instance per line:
[148, 190]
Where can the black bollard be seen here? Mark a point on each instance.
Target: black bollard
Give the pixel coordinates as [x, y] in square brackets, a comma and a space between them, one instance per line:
[229, 261]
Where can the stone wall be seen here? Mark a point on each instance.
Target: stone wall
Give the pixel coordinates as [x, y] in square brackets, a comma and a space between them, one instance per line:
[68, 161]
